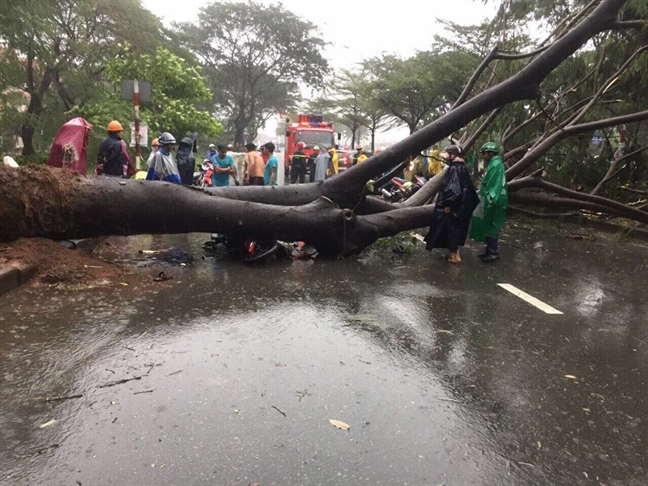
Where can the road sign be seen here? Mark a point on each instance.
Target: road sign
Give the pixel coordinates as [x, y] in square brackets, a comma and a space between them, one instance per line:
[128, 89]
[143, 131]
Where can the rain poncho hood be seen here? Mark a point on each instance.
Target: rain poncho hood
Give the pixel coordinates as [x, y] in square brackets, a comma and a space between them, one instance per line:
[493, 200]
[163, 168]
[186, 156]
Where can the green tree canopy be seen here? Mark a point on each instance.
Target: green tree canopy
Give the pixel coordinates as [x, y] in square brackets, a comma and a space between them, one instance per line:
[55, 51]
[176, 87]
[254, 55]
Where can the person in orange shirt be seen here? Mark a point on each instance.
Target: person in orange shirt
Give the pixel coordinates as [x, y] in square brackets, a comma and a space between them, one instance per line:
[255, 166]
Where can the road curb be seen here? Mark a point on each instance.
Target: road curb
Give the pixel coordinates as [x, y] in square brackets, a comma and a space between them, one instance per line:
[13, 276]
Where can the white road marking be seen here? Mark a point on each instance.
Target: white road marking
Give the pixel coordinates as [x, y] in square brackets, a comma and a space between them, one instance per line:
[530, 299]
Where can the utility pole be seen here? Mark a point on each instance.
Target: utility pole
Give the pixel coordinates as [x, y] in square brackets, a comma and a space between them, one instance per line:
[136, 103]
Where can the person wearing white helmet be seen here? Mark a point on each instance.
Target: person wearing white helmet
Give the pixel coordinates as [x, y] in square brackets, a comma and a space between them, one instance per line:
[357, 154]
[163, 167]
[212, 152]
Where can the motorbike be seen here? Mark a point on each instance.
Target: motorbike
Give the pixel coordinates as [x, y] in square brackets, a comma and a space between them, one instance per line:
[248, 250]
[203, 176]
[260, 252]
[400, 189]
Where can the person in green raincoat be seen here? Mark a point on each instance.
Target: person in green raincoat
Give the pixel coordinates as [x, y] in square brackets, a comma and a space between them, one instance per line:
[489, 216]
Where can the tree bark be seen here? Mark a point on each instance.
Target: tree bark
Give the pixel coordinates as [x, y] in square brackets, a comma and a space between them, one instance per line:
[48, 203]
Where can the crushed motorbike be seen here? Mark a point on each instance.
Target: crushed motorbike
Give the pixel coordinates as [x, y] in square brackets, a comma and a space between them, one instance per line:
[251, 251]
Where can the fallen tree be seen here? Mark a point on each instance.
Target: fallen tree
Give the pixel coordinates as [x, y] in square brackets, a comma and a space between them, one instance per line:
[335, 215]
[49, 203]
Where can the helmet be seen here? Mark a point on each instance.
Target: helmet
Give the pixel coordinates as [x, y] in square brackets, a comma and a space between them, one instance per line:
[114, 126]
[490, 147]
[155, 143]
[358, 147]
[315, 147]
[166, 139]
[301, 144]
[453, 149]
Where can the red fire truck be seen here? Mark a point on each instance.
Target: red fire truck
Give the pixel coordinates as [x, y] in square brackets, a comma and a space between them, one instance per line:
[310, 129]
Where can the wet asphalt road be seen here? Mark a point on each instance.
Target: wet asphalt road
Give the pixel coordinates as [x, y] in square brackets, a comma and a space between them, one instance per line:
[235, 372]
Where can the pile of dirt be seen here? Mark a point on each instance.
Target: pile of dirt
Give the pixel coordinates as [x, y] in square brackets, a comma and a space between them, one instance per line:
[31, 199]
[58, 265]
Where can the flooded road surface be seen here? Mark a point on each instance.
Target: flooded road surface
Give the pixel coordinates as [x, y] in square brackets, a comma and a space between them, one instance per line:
[230, 375]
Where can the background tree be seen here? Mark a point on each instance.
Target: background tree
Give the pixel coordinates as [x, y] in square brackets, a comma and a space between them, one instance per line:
[176, 88]
[415, 90]
[345, 97]
[254, 55]
[56, 51]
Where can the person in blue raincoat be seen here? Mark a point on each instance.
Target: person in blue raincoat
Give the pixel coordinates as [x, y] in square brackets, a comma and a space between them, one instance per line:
[454, 207]
[493, 202]
[162, 167]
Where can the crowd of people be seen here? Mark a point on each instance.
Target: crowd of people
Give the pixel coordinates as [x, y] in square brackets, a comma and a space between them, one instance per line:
[459, 205]
[113, 159]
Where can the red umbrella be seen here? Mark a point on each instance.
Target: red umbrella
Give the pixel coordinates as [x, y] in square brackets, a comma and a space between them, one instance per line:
[69, 149]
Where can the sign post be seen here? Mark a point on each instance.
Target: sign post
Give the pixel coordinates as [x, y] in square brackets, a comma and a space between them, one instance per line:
[138, 157]
[137, 91]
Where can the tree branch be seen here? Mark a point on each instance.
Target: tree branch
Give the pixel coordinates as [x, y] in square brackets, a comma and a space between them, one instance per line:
[483, 127]
[613, 171]
[608, 84]
[474, 78]
[545, 200]
[629, 24]
[533, 155]
[618, 208]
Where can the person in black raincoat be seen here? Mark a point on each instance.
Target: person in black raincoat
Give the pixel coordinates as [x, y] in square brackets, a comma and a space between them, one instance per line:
[186, 158]
[454, 207]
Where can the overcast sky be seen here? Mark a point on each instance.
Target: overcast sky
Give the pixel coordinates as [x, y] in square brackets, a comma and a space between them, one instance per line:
[358, 29]
[394, 26]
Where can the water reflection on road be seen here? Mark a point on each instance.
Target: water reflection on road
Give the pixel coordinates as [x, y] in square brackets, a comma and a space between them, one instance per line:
[234, 372]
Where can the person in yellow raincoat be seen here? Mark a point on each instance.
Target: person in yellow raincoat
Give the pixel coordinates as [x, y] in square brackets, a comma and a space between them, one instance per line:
[362, 157]
[435, 165]
[335, 160]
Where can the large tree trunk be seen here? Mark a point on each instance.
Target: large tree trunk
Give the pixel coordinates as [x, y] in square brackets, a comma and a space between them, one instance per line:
[47, 202]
